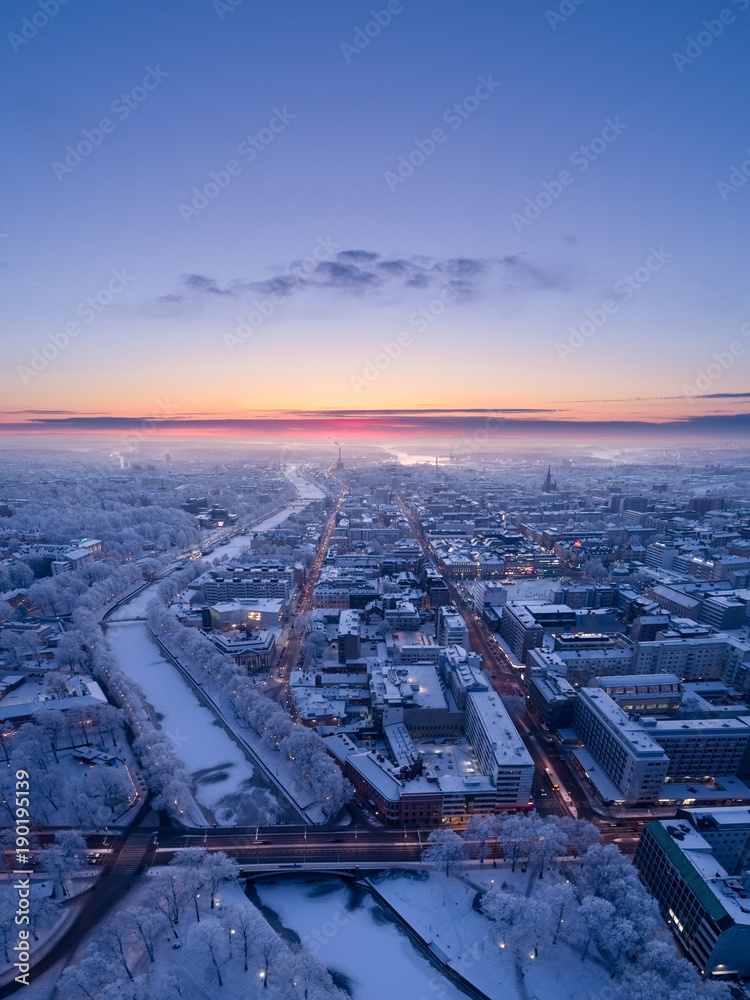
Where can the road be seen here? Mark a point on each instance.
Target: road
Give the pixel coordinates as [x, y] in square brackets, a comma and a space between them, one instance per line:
[302, 603]
[284, 845]
[550, 767]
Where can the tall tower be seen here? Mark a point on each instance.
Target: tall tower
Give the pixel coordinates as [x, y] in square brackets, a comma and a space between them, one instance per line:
[549, 485]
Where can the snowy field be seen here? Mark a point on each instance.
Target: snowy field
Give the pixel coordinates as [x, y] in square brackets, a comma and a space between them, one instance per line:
[226, 782]
[355, 938]
[440, 909]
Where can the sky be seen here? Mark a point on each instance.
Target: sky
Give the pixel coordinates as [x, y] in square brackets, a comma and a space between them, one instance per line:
[375, 219]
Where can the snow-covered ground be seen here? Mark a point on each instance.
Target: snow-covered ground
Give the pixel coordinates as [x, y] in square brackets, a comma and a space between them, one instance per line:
[226, 782]
[440, 909]
[352, 935]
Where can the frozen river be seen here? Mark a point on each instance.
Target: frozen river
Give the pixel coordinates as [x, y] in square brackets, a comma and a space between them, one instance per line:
[307, 493]
[355, 938]
[227, 783]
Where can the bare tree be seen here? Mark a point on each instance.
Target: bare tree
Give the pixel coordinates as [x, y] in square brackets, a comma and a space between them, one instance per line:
[147, 924]
[210, 941]
[244, 922]
[268, 947]
[115, 941]
[166, 893]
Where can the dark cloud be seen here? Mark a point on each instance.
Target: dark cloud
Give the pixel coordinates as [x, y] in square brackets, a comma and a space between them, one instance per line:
[200, 283]
[377, 423]
[350, 272]
[726, 395]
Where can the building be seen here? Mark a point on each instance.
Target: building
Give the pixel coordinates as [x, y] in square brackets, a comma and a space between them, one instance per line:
[706, 906]
[724, 612]
[269, 579]
[552, 698]
[630, 760]
[349, 645]
[254, 650]
[700, 748]
[499, 748]
[439, 793]
[413, 695]
[450, 628]
[263, 613]
[695, 659]
[643, 692]
[594, 596]
[345, 593]
[524, 623]
[728, 833]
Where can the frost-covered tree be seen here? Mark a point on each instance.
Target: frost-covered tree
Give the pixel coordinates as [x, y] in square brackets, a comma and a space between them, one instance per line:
[88, 978]
[580, 833]
[146, 923]
[445, 848]
[110, 786]
[548, 843]
[244, 923]
[218, 869]
[63, 857]
[167, 894]
[115, 942]
[505, 910]
[595, 916]
[481, 830]
[209, 942]
[189, 867]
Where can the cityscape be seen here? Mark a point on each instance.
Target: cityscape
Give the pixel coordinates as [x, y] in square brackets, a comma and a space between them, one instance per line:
[374, 501]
